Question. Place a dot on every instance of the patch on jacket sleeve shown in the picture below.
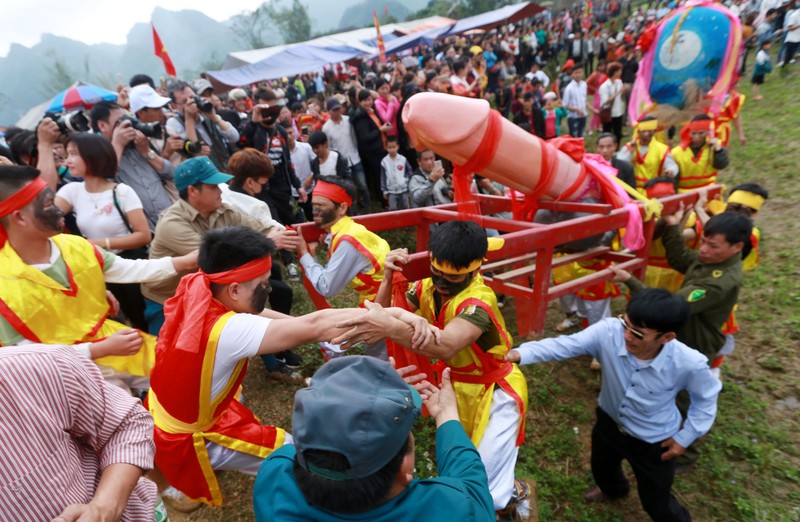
(696, 295)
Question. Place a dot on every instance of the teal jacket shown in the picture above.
(461, 492)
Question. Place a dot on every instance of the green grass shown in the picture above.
(750, 469)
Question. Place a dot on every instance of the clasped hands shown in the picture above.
(381, 323)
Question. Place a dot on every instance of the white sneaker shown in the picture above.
(779, 64)
(178, 501)
(294, 273)
(793, 60)
(565, 325)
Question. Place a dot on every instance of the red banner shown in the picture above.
(379, 40)
(162, 53)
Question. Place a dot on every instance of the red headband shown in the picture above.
(663, 188)
(333, 192)
(18, 201)
(22, 197)
(244, 273)
(699, 125)
(185, 312)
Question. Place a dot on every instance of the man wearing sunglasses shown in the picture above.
(644, 368)
(713, 277)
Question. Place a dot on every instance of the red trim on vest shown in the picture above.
(17, 323)
(99, 256)
(502, 368)
(362, 250)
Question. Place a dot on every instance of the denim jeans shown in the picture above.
(360, 179)
(576, 126)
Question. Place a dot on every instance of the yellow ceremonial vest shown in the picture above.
(650, 165)
(753, 258)
(659, 274)
(473, 371)
(43, 311)
(696, 171)
(368, 244)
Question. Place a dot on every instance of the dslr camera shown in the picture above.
(74, 121)
(203, 104)
(151, 130)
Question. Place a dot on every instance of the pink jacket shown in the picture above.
(387, 112)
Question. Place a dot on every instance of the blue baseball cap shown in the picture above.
(198, 170)
(356, 406)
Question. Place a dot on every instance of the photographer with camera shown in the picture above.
(36, 149)
(148, 106)
(264, 134)
(140, 167)
(197, 120)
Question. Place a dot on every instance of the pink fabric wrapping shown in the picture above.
(602, 171)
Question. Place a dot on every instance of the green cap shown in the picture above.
(199, 170)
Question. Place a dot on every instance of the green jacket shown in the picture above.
(711, 290)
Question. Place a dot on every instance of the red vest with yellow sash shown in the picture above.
(187, 416)
(368, 244)
(43, 311)
(730, 111)
(475, 372)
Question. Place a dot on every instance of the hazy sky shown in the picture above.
(95, 21)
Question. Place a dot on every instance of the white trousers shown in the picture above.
(498, 447)
(226, 459)
(594, 311)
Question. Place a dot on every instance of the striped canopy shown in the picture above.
(80, 95)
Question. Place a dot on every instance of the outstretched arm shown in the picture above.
(406, 329)
(285, 333)
(393, 263)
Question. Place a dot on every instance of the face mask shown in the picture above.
(450, 288)
(259, 300)
(49, 218)
(326, 217)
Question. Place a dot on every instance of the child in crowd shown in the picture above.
(395, 171)
(553, 114)
(763, 67)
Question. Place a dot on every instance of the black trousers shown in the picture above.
(654, 477)
(131, 303)
(615, 127)
(280, 300)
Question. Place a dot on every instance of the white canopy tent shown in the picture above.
(362, 39)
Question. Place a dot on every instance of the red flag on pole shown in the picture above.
(162, 53)
(379, 40)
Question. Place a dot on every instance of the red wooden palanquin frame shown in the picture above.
(522, 267)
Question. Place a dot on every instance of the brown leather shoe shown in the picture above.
(595, 495)
(287, 375)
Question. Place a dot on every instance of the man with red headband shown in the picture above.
(214, 323)
(356, 254)
(492, 393)
(53, 287)
(699, 155)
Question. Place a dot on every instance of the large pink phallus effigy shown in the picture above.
(479, 140)
(472, 135)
